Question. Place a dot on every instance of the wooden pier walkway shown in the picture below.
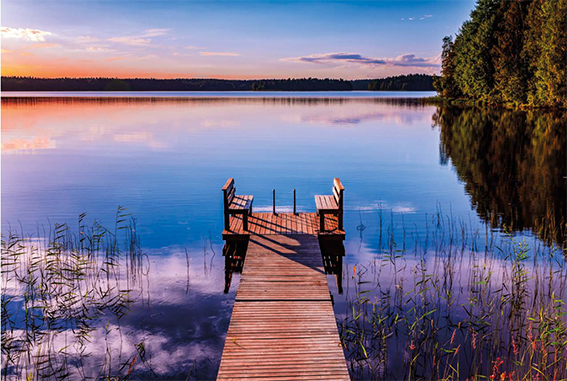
(283, 325)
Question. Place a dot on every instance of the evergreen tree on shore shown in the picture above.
(510, 51)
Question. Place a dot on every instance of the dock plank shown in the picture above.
(282, 223)
(283, 326)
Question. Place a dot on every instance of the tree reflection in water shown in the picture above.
(513, 165)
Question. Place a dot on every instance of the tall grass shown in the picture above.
(56, 286)
(456, 304)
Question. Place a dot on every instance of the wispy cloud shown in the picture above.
(139, 40)
(129, 40)
(24, 33)
(421, 18)
(116, 59)
(195, 47)
(98, 49)
(155, 32)
(338, 57)
(87, 39)
(226, 54)
(405, 60)
(42, 46)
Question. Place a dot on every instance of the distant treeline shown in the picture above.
(511, 52)
(405, 82)
(411, 82)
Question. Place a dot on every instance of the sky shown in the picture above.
(226, 39)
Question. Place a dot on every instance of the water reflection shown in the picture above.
(84, 305)
(166, 158)
(513, 165)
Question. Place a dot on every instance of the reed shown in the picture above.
(57, 285)
(456, 304)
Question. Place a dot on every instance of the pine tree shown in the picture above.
(446, 85)
(474, 70)
(509, 66)
(548, 31)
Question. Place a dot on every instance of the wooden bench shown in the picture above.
(332, 204)
(235, 204)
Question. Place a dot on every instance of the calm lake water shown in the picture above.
(165, 157)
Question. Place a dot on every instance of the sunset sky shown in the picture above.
(230, 39)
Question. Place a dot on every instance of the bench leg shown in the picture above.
(321, 222)
(245, 221)
(226, 221)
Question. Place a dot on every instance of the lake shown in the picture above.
(444, 193)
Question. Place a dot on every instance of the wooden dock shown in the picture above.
(283, 325)
(282, 223)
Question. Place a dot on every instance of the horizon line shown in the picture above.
(217, 78)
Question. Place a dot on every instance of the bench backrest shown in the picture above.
(338, 190)
(228, 192)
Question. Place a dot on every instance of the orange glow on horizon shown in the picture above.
(91, 71)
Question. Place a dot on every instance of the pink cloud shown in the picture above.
(225, 54)
(139, 40)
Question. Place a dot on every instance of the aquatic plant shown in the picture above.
(449, 309)
(57, 285)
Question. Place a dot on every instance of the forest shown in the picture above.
(411, 82)
(510, 52)
(404, 82)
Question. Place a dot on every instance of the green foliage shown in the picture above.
(510, 71)
(510, 52)
(447, 85)
(411, 82)
(550, 37)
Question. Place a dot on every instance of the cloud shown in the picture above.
(226, 54)
(399, 207)
(98, 49)
(116, 58)
(42, 46)
(24, 33)
(194, 47)
(87, 39)
(139, 40)
(404, 60)
(338, 57)
(412, 60)
(421, 18)
(155, 32)
(6, 51)
(133, 41)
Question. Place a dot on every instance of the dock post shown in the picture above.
(294, 203)
(274, 201)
